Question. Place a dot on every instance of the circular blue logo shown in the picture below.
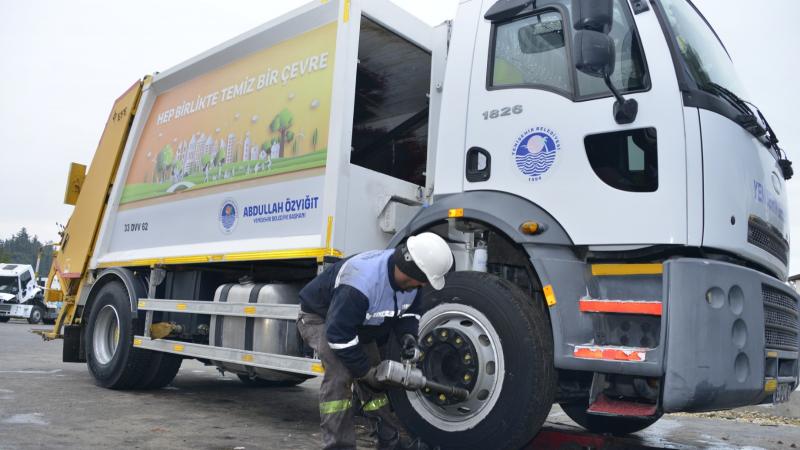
(535, 152)
(227, 216)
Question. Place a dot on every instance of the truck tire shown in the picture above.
(112, 359)
(4, 319)
(162, 370)
(37, 313)
(263, 382)
(482, 333)
(617, 426)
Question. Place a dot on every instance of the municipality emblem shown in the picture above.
(227, 216)
(535, 152)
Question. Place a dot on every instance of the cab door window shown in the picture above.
(533, 51)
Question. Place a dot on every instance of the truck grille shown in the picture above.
(780, 319)
(767, 238)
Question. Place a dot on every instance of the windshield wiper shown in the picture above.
(746, 119)
(749, 122)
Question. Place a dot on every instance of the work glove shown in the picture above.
(409, 349)
(371, 380)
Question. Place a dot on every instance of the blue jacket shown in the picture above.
(358, 297)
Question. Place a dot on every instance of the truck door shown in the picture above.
(539, 129)
(388, 154)
(26, 291)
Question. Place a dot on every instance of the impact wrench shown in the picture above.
(408, 377)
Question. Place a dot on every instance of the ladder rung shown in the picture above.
(652, 308)
(607, 406)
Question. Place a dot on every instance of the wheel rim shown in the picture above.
(486, 367)
(36, 315)
(105, 338)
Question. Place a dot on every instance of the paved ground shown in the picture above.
(45, 403)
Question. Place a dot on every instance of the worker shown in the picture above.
(349, 310)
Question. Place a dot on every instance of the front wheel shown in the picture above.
(617, 426)
(484, 334)
(37, 313)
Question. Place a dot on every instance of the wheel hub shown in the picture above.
(459, 347)
(448, 357)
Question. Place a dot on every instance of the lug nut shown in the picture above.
(467, 358)
(443, 334)
(467, 377)
(442, 397)
(459, 341)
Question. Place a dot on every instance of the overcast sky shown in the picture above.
(62, 64)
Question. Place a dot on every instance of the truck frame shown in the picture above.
(577, 156)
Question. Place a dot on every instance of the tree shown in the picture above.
(164, 161)
(21, 248)
(281, 124)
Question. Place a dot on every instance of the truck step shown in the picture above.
(610, 353)
(607, 406)
(591, 305)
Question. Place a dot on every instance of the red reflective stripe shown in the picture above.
(621, 306)
(610, 353)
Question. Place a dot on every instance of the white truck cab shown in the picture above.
(21, 297)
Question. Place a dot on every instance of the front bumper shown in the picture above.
(731, 336)
(15, 310)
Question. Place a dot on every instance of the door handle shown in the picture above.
(479, 164)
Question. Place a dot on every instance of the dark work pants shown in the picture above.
(336, 393)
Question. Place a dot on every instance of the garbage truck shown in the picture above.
(617, 211)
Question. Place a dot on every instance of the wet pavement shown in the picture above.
(47, 404)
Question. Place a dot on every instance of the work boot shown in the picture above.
(387, 437)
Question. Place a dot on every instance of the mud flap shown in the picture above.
(73, 351)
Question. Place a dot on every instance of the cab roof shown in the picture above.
(13, 270)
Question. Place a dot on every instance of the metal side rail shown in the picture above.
(294, 364)
(260, 310)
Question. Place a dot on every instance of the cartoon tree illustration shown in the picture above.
(164, 161)
(314, 139)
(205, 160)
(294, 148)
(281, 124)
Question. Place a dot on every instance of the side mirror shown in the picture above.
(595, 56)
(541, 37)
(594, 15)
(594, 53)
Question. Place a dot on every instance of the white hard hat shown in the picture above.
(432, 255)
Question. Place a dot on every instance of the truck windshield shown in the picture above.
(8, 285)
(705, 58)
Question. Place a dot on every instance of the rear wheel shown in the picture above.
(605, 424)
(484, 334)
(37, 313)
(112, 359)
(162, 370)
